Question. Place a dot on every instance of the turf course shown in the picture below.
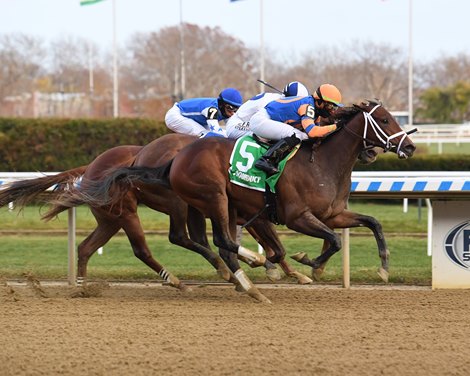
(30, 246)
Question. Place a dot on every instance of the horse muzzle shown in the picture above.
(407, 151)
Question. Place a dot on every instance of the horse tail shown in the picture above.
(112, 189)
(54, 212)
(23, 192)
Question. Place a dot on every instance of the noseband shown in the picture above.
(385, 141)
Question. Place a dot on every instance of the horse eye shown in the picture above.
(385, 121)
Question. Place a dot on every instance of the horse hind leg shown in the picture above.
(271, 270)
(98, 238)
(224, 231)
(244, 282)
(197, 240)
(136, 236)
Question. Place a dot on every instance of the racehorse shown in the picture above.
(312, 192)
(124, 214)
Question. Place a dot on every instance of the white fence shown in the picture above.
(441, 134)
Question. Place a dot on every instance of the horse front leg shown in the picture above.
(265, 234)
(308, 224)
(348, 219)
(316, 273)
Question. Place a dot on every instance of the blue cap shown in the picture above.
(231, 96)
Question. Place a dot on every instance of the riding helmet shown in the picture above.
(231, 96)
(295, 89)
(328, 93)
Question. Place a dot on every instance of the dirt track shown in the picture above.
(151, 330)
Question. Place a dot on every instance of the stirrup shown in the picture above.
(266, 166)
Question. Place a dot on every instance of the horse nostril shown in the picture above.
(410, 149)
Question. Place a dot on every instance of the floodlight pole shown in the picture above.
(182, 59)
(261, 45)
(115, 67)
(410, 65)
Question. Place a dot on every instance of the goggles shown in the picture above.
(330, 106)
(229, 107)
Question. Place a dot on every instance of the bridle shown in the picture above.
(385, 140)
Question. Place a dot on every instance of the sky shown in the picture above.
(289, 26)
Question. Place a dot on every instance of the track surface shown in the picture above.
(213, 330)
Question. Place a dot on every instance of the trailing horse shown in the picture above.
(312, 193)
(123, 214)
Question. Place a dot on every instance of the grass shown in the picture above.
(389, 213)
(45, 255)
(445, 148)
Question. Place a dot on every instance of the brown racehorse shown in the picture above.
(124, 214)
(311, 196)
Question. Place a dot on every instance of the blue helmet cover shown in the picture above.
(231, 96)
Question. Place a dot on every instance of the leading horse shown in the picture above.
(312, 193)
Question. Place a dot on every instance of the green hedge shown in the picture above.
(420, 162)
(60, 144)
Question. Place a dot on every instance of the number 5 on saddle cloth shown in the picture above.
(242, 171)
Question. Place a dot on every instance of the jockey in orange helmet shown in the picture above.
(291, 120)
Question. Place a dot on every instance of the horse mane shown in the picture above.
(342, 116)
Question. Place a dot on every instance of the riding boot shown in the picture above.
(276, 153)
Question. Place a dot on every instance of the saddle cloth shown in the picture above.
(242, 170)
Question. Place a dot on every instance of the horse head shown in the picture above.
(378, 128)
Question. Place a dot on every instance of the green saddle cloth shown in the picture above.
(242, 169)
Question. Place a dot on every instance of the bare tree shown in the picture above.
(21, 63)
(444, 71)
(213, 60)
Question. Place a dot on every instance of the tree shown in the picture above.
(361, 70)
(22, 60)
(446, 105)
(213, 60)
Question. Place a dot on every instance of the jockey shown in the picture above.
(238, 125)
(291, 120)
(199, 116)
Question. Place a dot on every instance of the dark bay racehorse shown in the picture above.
(123, 214)
(312, 193)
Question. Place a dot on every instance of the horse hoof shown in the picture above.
(239, 288)
(224, 274)
(383, 274)
(298, 256)
(273, 275)
(184, 288)
(301, 278)
(254, 293)
(316, 274)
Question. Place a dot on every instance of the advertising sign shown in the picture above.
(451, 245)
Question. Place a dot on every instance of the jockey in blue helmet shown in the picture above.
(200, 116)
